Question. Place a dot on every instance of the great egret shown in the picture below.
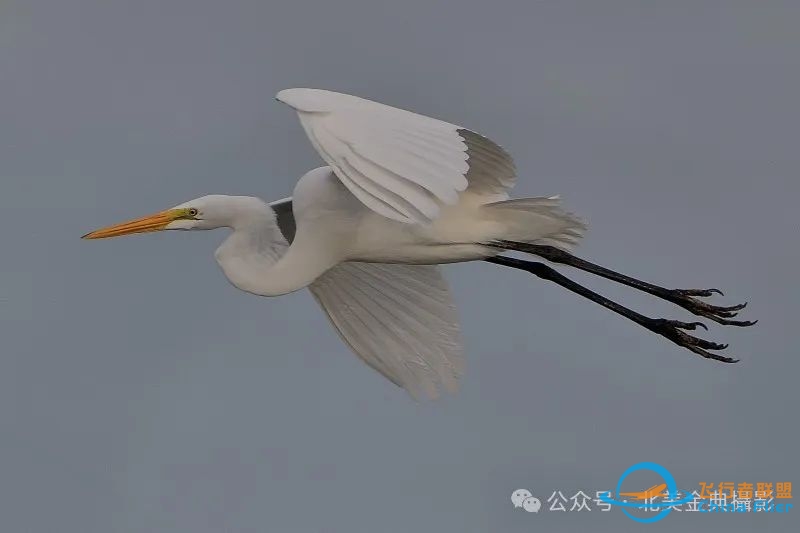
(402, 193)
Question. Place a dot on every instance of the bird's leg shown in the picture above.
(671, 329)
(686, 298)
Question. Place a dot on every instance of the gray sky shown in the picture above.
(140, 392)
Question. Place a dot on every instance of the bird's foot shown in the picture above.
(672, 329)
(688, 299)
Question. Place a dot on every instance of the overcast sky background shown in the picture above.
(139, 391)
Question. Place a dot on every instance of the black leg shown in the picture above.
(682, 297)
(670, 329)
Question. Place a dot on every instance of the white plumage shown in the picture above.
(402, 165)
(401, 194)
(400, 319)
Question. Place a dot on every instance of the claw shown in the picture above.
(708, 345)
(737, 307)
(709, 355)
(688, 325)
(723, 309)
(717, 313)
(671, 329)
(700, 292)
(739, 323)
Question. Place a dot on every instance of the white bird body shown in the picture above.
(334, 227)
(402, 193)
(326, 211)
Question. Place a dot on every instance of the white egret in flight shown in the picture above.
(401, 194)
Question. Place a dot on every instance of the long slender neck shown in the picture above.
(257, 259)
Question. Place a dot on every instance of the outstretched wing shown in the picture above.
(401, 165)
(399, 319)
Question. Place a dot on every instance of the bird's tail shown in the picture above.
(539, 220)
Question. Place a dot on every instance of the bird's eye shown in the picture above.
(193, 212)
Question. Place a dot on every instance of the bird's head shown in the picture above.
(207, 212)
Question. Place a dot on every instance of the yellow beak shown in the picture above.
(155, 222)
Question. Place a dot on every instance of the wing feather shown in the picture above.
(400, 164)
(410, 193)
(399, 319)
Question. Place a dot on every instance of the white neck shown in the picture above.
(257, 259)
